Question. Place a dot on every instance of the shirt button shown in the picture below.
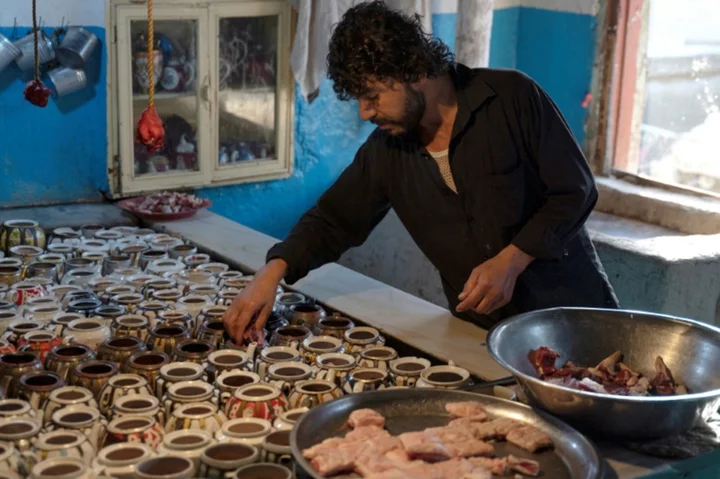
(471, 220)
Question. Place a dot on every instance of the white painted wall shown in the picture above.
(572, 6)
(52, 12)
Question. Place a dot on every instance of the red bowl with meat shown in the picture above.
(165, 206)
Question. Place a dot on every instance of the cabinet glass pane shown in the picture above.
(247, 89)
(176, 97)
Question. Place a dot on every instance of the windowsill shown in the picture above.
(676, 212)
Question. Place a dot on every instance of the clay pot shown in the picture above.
(93, 375)
(289, 418)
(274, 355)
(122, 385)
(120, 460)
(443, 377)
(226, 296)
(20, 432)
(202, 415)
(88, 421)
(405, 372)
(35, 387)
(10, 408)
(14, 465)
(148, 406)
(17, 329)
(14, 365)
(229, 381)
(210, 313)
(129, 300)
(366, 379)
(151, 309)
(163, 339)
(212, 331)
(186, 392)
(119, 348)
(167, 467)
(65, 397)
(305, 314)
(334, 367)
(209, 290)
(177, 372)
(134, 429)
(189, 443)
(109, 312)
(116, 289)
(7, 317)
(38, 342)
(245, 430)
(59, 322)
(313, 393)
(90, 332)
(64, 467)
(357, 339)
(63, 359)
(285, 375)
(147, 364)
(285, 301)
(263, 470)
(276, 449)
(193, 305)
(160, 284)
(226, 360)
(177, 318)
(220, 460)
(168, 296)
(64, 443)
(290, 336)
(131, 325)
(314, 346)
(84, 306)
(377, 357)
(257, 400)
(194, 351)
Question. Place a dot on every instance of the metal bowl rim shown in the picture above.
(494, 331)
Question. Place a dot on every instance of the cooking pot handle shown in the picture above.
(510, 380)
(57, 33)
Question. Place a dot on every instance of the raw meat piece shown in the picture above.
(523, 465)
(424, 445)
(452, 433)
(334, 461)
(466, 409)
(499, 466)
(392, 474)
(399, 457)
(609, 364)
(373, 463)
(463, 422)
(529, 438)
(331, 443)
(365, 417)
(423, 470)
(382, 445)
(37, 93)
(366, 432)
(663, 384)
(470, 448)
(150, 131)
(454, 468)
(641, 388)
(543, 358)
(495, 429)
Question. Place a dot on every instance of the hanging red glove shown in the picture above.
(37, 93)
(150, 131)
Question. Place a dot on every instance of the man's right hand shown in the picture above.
(255, 300)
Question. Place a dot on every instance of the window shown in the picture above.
(223, 88)
(666, 92)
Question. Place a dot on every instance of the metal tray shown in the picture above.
(573, 457)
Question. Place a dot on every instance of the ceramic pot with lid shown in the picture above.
(176, 372)
(226, 296)
(120, 460)
(221, 460)
(119, 386)
(314, 346)
(193, 350)
(359, 338)
(335, 326)
(228, 381)
(227, 360)
(35, 387)
(86, 420)
(64, 443)
(201, 415)
(147, 364)
(260, 400)
(189, 443)
(245, 430)
(186, 392)
(119, 348)
(67, 396)
(289, 418)
(164, 338)
(21, 432)
(10, 408)
(64, 358)
(148, 406)
(166, 467)
(93, 375)
(406, 371)
(134, 429)
(39, 343)
(12, 367)
(90, 332)
(334, 367)
(313, 393)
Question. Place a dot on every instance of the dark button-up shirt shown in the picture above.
(521, 178)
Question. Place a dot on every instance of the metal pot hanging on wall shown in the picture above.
(46, 51)
(8, 52)
(76, 47)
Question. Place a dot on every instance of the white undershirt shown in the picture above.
(442, 158)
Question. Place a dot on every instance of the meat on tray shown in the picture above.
(610, 376)
(455, 451)
(167, 202)
(365, 417)
(467, 409)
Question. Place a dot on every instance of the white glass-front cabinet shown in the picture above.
(223, 89)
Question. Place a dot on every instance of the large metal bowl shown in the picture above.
(585, 336)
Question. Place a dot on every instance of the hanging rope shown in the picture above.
(35, 92)
(151, 53)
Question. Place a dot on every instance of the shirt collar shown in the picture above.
(472, 93)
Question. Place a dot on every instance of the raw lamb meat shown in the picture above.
(424, 445)
(334, 461)
(495, 429)
(467, 409)
(502, 466)
(461, 442)
(463, 422)
(365, 417)
(373, 463)
(529, 438)
(327, 444)
(366, 432)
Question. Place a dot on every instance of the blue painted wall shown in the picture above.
(58, 154)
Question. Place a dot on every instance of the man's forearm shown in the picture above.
(516, 258)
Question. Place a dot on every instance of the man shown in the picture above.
(479, 165)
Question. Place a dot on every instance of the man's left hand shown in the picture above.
(492, 283)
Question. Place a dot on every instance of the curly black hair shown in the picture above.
(375, 41)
